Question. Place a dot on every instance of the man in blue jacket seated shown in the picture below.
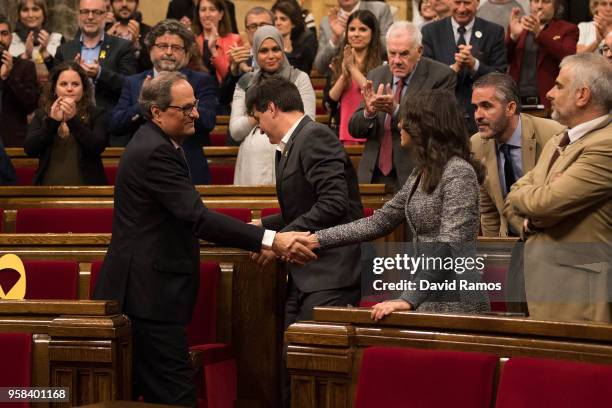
(169, 43)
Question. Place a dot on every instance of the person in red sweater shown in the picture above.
(536, 45)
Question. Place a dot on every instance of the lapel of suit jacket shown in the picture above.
(528, 144)
(286, 152)
(417, 80)
(105, 49)
(572, 151)
(476, 40)
(490, 157)
(448, 41)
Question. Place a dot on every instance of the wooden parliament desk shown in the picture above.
(255, 198)
(324, 356)
(84, 345)
(249, 310)
(215, 155)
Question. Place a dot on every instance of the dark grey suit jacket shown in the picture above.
(488, 47)
(317, 188)
(116, 60)
(429, 74)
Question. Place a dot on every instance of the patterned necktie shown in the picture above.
(461, 40)
(562, 143)
(385, 156)
(509, 175)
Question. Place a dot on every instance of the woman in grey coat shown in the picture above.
(439, 203)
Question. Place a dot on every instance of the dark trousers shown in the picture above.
(162, 373)
(299, 306)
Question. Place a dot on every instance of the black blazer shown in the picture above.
(152, 264)
(117, 61)
(19, 95)
(428, 74)
(91, 138)
(317, 188)
(488, 47)
(304, 51)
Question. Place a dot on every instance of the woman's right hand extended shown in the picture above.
(383, 309)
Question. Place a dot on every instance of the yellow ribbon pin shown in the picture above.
(12, 261)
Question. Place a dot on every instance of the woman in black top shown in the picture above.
(68, 134)
(300, 45)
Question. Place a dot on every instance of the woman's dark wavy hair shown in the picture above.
(437, 130)
(373, 58)
(85, 104)
(294, 12)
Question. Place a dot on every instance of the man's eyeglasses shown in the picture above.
(254, 26)
(173, 47)
(96, 13)
(604, 50)
(187, 109)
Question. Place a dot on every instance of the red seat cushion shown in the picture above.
(242, 214)
(203, 326)
(266, 212)
(217, 138)
(533, 382)
(111, 174)
(64, 220)
(221, 175)
(405, 377)
(16, 357)
(25, 175)
(368, 212)
(51, 279)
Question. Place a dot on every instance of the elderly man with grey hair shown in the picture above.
(406, 74)
(170, 45)
(563, 206)
(152, 264)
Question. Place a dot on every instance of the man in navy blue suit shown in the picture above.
(471, 46)
(169, 43)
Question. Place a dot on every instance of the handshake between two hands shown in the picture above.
(293, 247)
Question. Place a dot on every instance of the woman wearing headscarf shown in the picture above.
(255, 162)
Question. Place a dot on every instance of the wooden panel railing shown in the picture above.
(84, 345)
(324, 356)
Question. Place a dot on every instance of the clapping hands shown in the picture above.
(379, 101)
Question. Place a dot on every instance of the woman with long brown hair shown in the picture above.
(68, 134)
(360, 53)
(439, 203)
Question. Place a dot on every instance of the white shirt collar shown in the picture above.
(281, 145)
(468, 26)
(582, 129)
(176, 145)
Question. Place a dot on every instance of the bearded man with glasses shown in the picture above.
(105, 59)
(169, 44)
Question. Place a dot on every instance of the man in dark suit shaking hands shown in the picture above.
(151, 267)
(317, 188)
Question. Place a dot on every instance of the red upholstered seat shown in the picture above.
(265, 212)
(217, 138)
(51, 279)
(217, 385)
(25, 175)
(243, 214)
(367, 212)
(221, 174)
(405, 377)
(111, 174)
(16, 357)
(534, 382)
(64, 220)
